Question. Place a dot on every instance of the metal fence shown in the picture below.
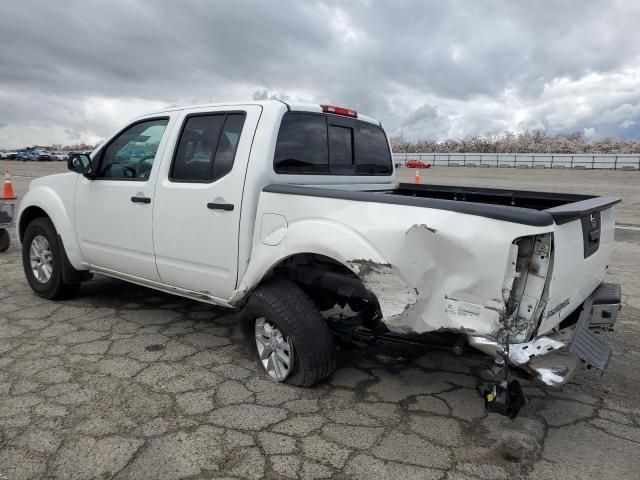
(524, 160)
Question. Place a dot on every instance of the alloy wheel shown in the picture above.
(275, 350)
(41, 259)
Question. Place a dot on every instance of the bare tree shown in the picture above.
(538, 141)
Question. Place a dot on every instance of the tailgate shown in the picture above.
(583, 242)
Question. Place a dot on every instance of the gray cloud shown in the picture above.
(77, 69)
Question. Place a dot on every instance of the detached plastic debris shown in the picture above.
(504, 398)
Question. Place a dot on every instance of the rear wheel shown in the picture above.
(290, 334)
(42, 261)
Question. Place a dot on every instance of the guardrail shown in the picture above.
(525, 160)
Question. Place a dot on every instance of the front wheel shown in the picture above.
(290, 334)
(42, 261)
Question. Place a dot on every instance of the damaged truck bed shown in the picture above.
(510, 270)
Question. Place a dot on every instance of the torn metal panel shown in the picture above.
(439, 282)
(528, 295)
(511, 272)
(393, 294)
(555, 369)
(546, 358)
(521, 353)
(554, 358)
(426, 227)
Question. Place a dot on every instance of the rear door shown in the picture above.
(198, 198)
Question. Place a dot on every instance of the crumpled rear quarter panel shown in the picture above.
(430, 269)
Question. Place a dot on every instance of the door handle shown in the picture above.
(140, 199)
(220, 206)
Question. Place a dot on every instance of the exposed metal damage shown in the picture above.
(521, 353)
(527, 298)
(503, 326)
(394, 296)
(426, 227)
(525, 293)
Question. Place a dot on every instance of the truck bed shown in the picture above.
(563, 207)
(516, 206)
(491, 196)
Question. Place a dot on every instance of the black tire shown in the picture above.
(5, 240)
(284, 304)
(55, 288)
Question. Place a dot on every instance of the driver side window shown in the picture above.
(131, 154)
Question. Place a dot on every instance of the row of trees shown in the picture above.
(77, 147)
(537, 141)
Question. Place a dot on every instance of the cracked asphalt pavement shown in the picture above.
(125, 382)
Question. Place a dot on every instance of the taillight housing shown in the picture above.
(345, 112)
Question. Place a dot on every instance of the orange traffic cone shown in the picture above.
(7, 191)
(417, 177)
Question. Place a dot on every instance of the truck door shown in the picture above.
(196, 217)
(114, 209)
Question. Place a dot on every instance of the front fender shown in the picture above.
(59, 208)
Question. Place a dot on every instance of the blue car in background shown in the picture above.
(27, 156)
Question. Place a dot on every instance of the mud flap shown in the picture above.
(69, 274)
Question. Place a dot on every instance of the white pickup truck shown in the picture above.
(291, 214)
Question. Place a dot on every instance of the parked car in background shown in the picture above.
(26, 155)
(43, 155)
(60, 156)
(417, 164)
(7, 154)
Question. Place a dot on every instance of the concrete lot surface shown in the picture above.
(124, 382)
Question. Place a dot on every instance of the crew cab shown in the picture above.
(291, 214)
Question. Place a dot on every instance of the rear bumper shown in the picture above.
(556, 357)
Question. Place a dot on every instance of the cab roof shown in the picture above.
(291, 106)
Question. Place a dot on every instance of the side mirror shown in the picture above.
(79, 163)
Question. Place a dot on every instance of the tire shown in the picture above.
(53, 288)
(283, 304)
(5, 240)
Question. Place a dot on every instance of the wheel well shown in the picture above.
(329, 283)
(28, 216)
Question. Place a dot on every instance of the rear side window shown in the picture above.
(207, 147)
(372, 151)
(311, 143)
(302, 144)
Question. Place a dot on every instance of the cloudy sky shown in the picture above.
(76, 70)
